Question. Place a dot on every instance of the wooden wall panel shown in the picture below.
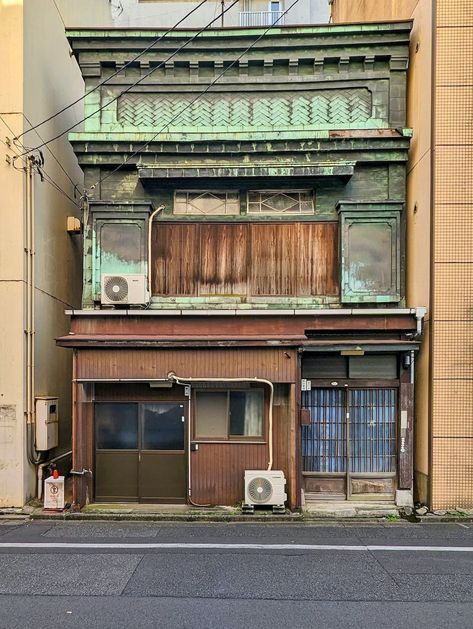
(175, 259)
(223, 264)
(198, 259)
(218, 470)
(276, 365)
(317, 263)
(274, 259)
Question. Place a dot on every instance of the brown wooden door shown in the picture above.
(140, 452)
(162, 468)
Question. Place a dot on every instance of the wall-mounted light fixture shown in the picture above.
(356, 351)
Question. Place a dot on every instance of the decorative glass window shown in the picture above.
(290, 202)
(206, 203)
(229, 414)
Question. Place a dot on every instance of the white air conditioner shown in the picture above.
(124, 289)
(265, 488)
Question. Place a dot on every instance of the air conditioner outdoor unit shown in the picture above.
(264, 488)
(124, 289)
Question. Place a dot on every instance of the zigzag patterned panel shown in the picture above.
(174, 111)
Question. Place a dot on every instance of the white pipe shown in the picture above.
(150, 226)
(41, 467)
(180, 380)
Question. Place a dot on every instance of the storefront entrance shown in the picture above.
(349, 446)
(140, 451)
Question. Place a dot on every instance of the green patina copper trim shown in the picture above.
(233, 170)
(332, 29)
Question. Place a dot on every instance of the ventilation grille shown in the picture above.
(116, 288)
(260, 490)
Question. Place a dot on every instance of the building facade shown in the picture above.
(244, 266)
(439, 235)
(166, 13)
(39, 260)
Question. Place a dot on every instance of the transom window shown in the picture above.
(280, 202)
(229, 414)
(206, 203)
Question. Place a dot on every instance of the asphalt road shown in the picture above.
(135, 575)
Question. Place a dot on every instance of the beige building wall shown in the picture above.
(452, 342)
(372, 10)
(38, 78)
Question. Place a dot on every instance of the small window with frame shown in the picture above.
(282, 202)
(226, 415)
(206, 203)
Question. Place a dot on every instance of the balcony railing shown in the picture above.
(261, 18)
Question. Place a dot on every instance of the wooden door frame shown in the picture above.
(347, 386)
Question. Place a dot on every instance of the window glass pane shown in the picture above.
(370, 257)
(324, 366)
(120, 248)
(211, 414)
(206, 203)
(246, 413)
(381, 367)
(116, 426)
(280, 202)
(163, 427)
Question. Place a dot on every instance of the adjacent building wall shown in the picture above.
(452, 342)
(441, 152)
(39, 77)
(419, 202)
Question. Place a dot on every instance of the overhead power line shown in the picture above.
(112, 76)
(168, 124)
(45, 176)
(140, 80)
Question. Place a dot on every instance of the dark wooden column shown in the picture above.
(406, 427)
(82, 439)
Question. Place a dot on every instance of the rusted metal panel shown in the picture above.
(218, 470)
(276, 365)
(245, 325)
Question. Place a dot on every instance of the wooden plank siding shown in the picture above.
(199, 259)
(276, 365)
(218, 470)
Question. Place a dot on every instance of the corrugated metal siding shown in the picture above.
(275, 365)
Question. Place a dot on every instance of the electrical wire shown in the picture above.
(112, 76)
(45, 176)
(109, 78)
(23, 147)
(148, 142)
(140, 80)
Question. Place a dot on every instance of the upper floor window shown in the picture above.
(280, 202)
(206, 203)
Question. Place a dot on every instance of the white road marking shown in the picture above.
(194, 546)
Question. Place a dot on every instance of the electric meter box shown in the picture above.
(54, 493)
(47, 422)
